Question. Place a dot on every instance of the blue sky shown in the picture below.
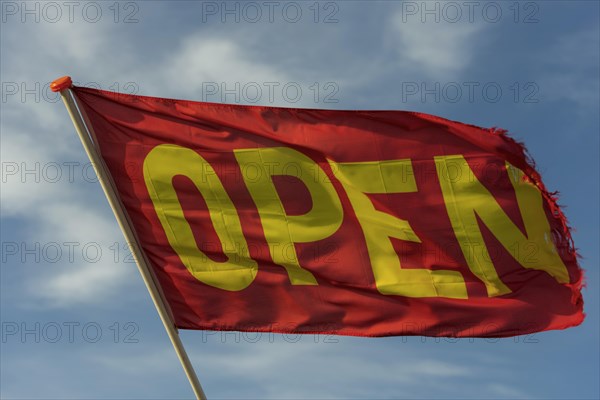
(77, 321)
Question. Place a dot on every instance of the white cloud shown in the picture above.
(98, 265)
(38, 137)
(571, 69)
(435, 48)
(306, 369)
(506, 391)
(230, 367)
(199, 59)
(46, 187)
(207, 68)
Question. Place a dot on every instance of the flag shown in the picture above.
(363, 223)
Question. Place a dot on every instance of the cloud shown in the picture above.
(435, 48)
(506, 392)
(98, 266)
(220, 69)
(71, 237)
(51, 202)
(237, 365)
(199, 59)
(571, 69)
(311, 368)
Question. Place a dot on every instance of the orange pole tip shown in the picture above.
(64, 82)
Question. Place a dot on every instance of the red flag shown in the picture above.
(365, 223)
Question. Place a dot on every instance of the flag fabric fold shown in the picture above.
(364, 223)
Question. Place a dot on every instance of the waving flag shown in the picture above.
(366, 223)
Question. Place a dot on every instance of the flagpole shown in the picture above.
(85, 131)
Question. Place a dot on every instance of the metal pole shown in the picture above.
(85, 133)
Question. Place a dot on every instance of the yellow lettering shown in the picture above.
(360, 178)
(466, 197)
(161, 165)
(282, 230)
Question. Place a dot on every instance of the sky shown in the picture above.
(77, 321)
